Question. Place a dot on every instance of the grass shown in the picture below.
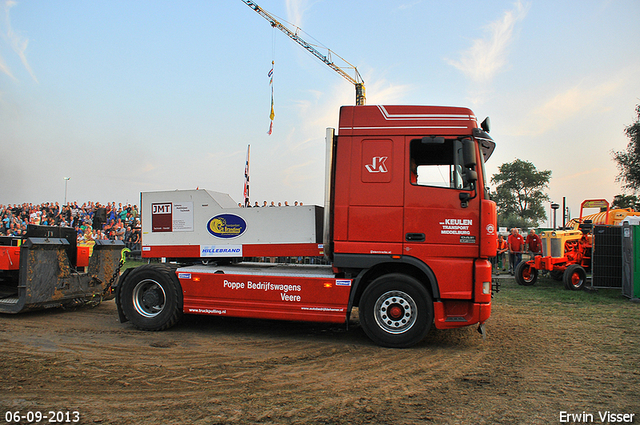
(129, 264)
(549, 290)
(604, 317)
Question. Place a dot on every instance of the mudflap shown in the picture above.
(47, 278)
(482, 330)
(117, 290)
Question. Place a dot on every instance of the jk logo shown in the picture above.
(378, 165)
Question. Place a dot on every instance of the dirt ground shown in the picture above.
(538, 359)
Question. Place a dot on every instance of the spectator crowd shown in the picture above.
(92, 221)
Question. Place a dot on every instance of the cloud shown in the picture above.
(385, 93)
(17, 42)
(569, 104)
(597, 172)
(488, 55)
(297, 175)
(5, 69)
(295, 11)
(406, 6)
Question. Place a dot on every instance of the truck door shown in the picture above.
(371, 223)
(441, 214)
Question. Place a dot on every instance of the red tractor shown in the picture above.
(566, 254)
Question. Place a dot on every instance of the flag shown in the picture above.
(246, 179)
(272, 114)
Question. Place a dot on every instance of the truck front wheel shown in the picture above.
(396, 311)
(151, 297)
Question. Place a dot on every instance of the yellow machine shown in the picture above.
(608, 217)
(555, 242)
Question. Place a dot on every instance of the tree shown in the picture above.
(624, 201)
(520, 193)
(628, 160)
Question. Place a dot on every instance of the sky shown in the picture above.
(123, 97)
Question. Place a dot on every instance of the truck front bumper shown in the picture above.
(451, 314)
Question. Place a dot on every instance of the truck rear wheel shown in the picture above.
(526, 274)
(151, 297)
(574, 277)
(396, 311)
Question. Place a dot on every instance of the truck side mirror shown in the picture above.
(486, 125)
(471, 176)
(464, 199)
(469, 154)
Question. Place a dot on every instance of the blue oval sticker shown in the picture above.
(227, 226)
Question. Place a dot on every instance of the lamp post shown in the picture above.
(554, 207)
(66, 180)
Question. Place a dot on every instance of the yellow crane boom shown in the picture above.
(356, 81)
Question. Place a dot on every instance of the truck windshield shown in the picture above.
(438, 163)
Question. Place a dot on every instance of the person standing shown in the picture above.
(99, 217)
(516, 245)
(502, 249)
(534, 244)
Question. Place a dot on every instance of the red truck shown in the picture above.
(407, 225)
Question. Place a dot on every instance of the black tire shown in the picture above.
(151, 297)
(526, 274)
(396, 311)
(574, 277)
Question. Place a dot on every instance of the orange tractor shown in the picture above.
(566, 254)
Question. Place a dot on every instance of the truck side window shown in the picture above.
(437, 164)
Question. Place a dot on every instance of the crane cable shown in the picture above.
(270, 74)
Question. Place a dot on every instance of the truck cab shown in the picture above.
(416, 204)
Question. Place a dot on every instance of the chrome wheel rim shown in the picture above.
(149, 298)
(395, 312)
